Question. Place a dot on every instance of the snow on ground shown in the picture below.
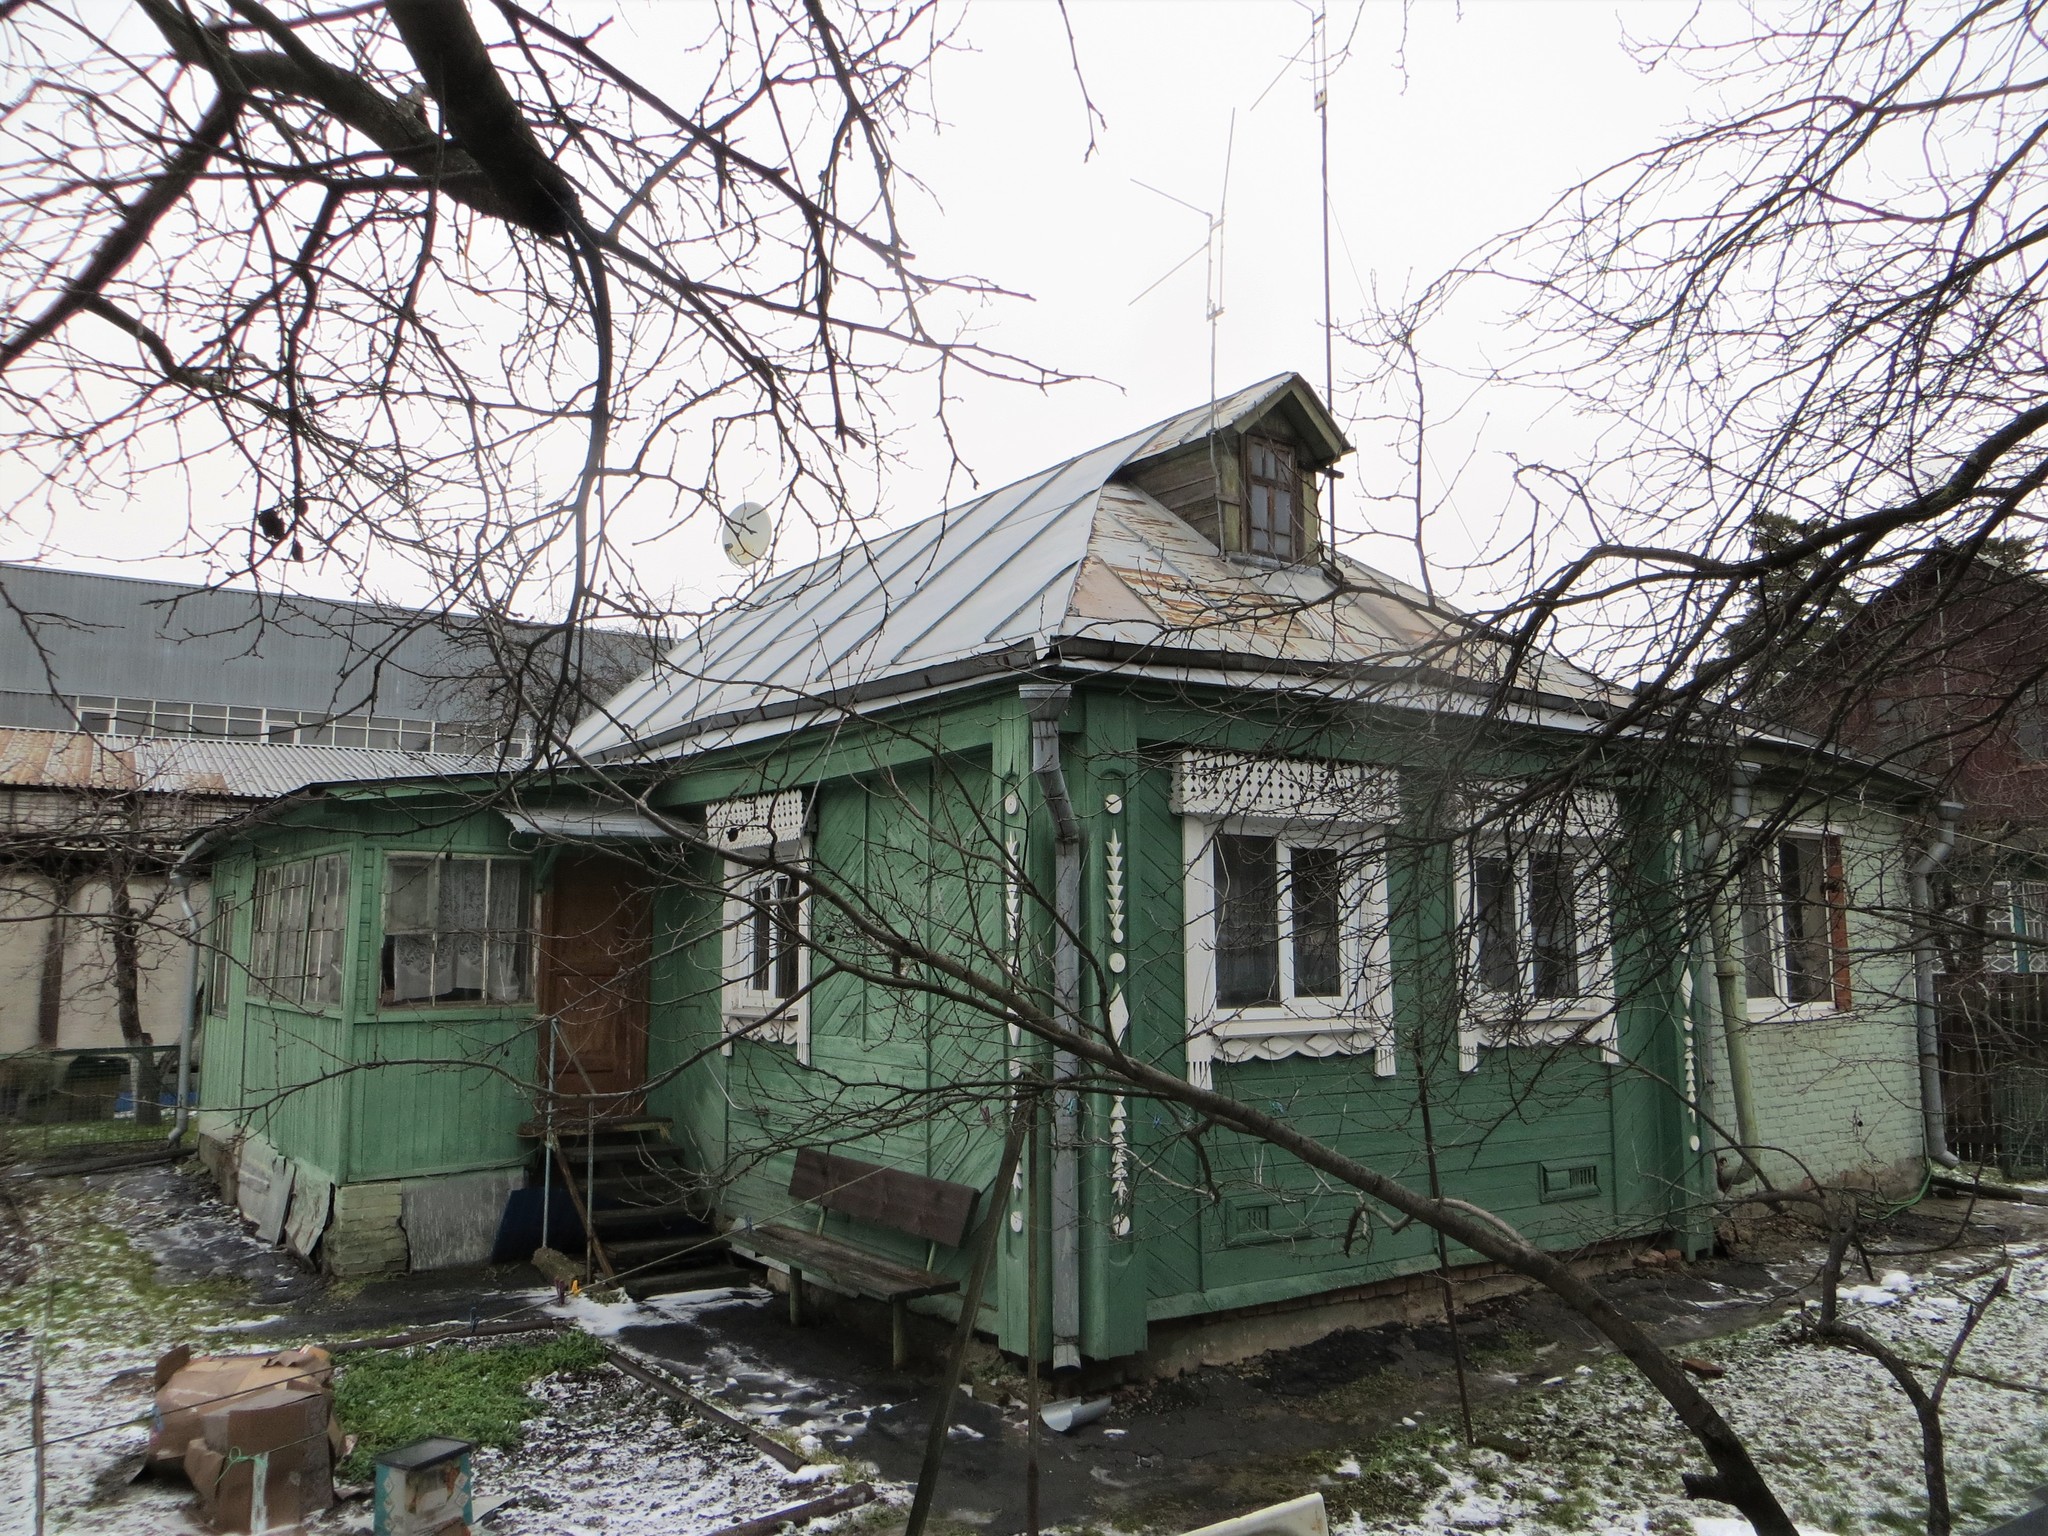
(1601, 1453)
(605, 1455)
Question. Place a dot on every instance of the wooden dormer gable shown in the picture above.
(1250, 484)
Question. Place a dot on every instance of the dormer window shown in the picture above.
(1273, 505)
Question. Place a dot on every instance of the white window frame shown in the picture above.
(1492, 1019)
(1781, 1008)
(1357, 1021)
(770, 827)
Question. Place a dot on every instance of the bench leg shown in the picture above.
(896, 1349)
(796, 1297)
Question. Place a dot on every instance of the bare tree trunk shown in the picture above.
(50, 984)
(125, 932)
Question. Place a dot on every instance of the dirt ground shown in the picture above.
(1355, 1414)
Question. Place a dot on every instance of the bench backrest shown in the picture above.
(934, 1209)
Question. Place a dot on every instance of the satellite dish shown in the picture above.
(745, 532)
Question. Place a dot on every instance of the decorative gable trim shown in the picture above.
(755, 822)
(1290, 789)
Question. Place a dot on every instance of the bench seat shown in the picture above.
(843, 1267)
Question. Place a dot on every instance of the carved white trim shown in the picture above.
(1581, 813)
(754, 822)
(1294, 789)
(1572, 1024)
(1115, 869)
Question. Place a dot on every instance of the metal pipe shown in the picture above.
(1048, 704)
(181, 881)
(1933, 1113)
(1731, 998)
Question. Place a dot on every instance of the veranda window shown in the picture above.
(300, 925)
(456, 930)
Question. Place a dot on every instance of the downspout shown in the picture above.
(1933, 1114)
(1048, 703)
(1731, 998)
(181, 880)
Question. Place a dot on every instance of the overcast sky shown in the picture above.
(1448, 123)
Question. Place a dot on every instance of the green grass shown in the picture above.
(89, 1281)
(389, 1398)
(23, 1140)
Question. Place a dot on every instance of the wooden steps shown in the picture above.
(631, 1188)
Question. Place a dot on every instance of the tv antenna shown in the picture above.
(1211, 252)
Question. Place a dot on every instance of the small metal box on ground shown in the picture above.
(423, 1489)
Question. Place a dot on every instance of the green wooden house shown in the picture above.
(1124, 737)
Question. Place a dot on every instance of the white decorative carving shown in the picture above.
(1013, 893)
(1338, 1042)
(1119, 1016)
(1556, 1029)
(755, 821)
(1294, 789)
(1115, 868)
(1119, 1168)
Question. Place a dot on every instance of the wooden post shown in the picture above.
(796, 1297)
(896, 1349)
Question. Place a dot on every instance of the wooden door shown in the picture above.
(596, 946)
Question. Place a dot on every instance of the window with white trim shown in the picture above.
(765, 944)
(1286, 943)
(457, 929)
(297, 937)
(1538, 931)
(1794, 925)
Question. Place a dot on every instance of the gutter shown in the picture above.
(1048, 703)
(1731, 999)
(1933, 1113)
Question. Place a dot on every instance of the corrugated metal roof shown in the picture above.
(1064, 556)
(225, 770)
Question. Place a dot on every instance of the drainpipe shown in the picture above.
(1933, 1114)
(1731, 998)
(181, 880)
(1048, 703)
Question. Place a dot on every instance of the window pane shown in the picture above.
(1809, 963)
(1247, 921)
(787, 934)
(408, 967)
(1315, 886)
(1554, 924)
(1493, 913)
(1759, 933)
(759, 939)
(509, 909)
(328, 929)
(408, 895)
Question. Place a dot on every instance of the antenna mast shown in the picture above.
(1320, 48)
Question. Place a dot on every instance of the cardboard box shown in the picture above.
(264, 1461)
(189, 1386)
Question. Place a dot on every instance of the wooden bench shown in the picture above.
(933, 1209)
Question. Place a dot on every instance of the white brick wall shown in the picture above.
(1838, 1094)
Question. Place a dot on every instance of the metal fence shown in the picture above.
(1994, 1064)
(87, 1097)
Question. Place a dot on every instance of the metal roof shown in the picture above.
(221, 770)
(1066, 562)
(87, 633)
